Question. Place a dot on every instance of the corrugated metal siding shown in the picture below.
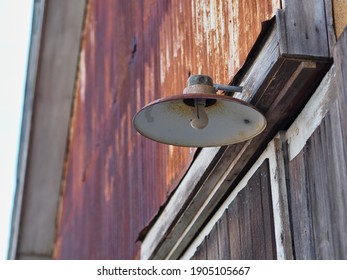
(134, 52)
(246, 229)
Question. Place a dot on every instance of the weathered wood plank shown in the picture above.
(317, 170)
(336, 169)
(256, 216)
(340, 149)
(306, 28)
(223, 238)
(201, 251)
(282, 31)
(243, 204)
(268, 216)
(340, 58)
(256, 232)
(234, 230)
(336, 187)
(300, 209)
(279, 197)
(265, 63)
(212, 244)
(330, 24)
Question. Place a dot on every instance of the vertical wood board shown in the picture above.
(318, 173)
(305, 28)
(248, 222)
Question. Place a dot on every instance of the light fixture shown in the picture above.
(200, 117)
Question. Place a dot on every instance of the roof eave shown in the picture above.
(53, 63)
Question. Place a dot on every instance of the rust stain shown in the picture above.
(108, 188)
(340, 16)
(134, 52)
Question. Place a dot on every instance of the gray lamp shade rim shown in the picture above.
(181, 134)
(209, 96)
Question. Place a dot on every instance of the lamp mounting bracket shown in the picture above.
(204, 84)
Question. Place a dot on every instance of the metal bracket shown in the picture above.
(227, 88)
(204, 84)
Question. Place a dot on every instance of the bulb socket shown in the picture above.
(198, 84)
(191, 101)
(199, 80)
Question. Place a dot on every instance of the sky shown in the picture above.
(15, 27)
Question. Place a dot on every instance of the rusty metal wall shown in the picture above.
(133, 52)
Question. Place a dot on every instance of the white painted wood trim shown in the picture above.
(311, 116)
(279, 198)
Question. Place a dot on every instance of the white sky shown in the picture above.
(15, 27)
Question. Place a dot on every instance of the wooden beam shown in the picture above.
(278, 174)
(311, 117)
(305, 28)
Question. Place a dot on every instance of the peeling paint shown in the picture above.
(83, 76)
(108, 188)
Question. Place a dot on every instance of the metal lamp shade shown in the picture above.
(230, 121)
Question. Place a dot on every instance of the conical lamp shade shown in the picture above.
(230, 121)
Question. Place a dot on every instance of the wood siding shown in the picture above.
(319, 194)
(306, 28)
(246, 230)
(318, 178)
